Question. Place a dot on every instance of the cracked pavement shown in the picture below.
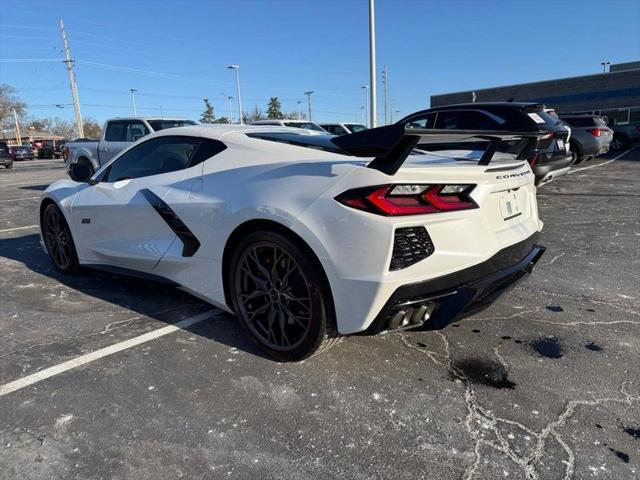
(544, 384)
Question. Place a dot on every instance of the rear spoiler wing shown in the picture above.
(392, 144)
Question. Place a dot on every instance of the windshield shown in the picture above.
(164, 124)
(355, 127)
(307, 125)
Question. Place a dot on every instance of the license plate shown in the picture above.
(560, 144)
(509, 206)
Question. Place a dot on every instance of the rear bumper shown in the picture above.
(459, 294)
(557, 166)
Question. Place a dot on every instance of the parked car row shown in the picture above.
(566, 141)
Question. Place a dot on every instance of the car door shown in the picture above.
(122, 219)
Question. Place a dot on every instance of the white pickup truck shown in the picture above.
(117, 134)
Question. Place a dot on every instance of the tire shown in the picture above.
(86, 161)
(576, 154)
(8, 166)
(58, 240)
(285, 308)
(619, 142)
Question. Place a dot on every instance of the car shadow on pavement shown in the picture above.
(145, 297)
(35, 187)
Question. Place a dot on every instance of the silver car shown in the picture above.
(590, 136)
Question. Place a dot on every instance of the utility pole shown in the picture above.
(72, 81)
(385, 81)
(133, 99)
(308, 94)
(18, 135)
(372, 64)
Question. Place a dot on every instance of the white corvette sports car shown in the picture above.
(305, 237)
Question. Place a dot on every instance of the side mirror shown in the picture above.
(80, 172)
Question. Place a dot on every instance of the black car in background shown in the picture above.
(21, 152)
(6, 159)
(548, 156)
(51, 149)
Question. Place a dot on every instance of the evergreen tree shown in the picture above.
(273, 109)
(208, 115)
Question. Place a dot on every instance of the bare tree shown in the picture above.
(9, 100)
(92, 128)
(253, 115)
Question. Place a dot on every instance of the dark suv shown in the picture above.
(549, 156)
(5, 157)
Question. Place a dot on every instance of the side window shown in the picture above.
(426, 121)
(162, 155)
(482, 121)
(456, 120)
(135, 131)
(116, 132)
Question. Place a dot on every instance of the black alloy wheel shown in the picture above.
(58, 240)
(280, 297)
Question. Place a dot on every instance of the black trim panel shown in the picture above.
(467, 291)
(131, 273)
(190, 244)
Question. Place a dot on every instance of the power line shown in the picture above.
(30, 60)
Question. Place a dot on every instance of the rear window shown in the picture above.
(582, 121)
(164, 124)
(355, 127)
(307, 125)
(541, 117)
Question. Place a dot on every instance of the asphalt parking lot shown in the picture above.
(545, 384)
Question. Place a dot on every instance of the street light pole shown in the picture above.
(237, 69)
(372, 64)
(133, 100)
(366, 106)
(228, 98)
(308, 94)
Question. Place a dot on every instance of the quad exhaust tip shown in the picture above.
(411, 317)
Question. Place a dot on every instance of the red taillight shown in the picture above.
(396, 200)
(594, 131)
(65, 153)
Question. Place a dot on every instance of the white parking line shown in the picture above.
(103, 352)
(600, 164)
(18, 228)
(16, 199)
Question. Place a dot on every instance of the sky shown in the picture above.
(176, 52)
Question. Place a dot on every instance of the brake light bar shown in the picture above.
(398, 200)
(594, 131)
